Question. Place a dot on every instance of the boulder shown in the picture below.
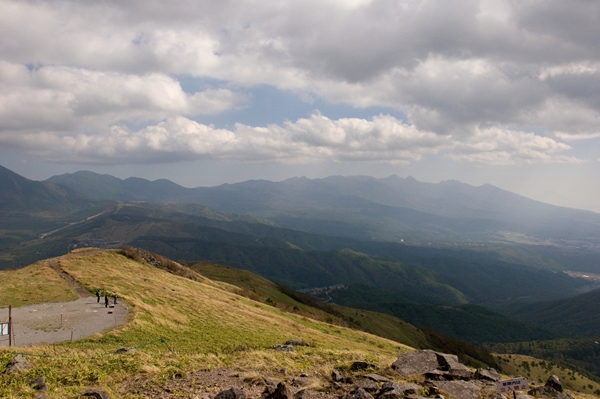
(454, 370)
(232, 393)
(281, 392)
(546, 392)
(457, 389)
(376, 377)
(489, 374)
(39, 384)
(392, 390)
(368, 385)
(554, 382)
(361, 394)
(306, 394)
(416, 362)
(96, 394)
(17, 364)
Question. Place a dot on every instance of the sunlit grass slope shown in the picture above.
(264, 290)
(33, 284)
(203, 325)
(537, 370)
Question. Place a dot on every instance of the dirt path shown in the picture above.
(46, 323)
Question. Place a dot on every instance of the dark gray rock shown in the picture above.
(17, 364)
(454, 370)
(306, 394)
(457, 389)
(231, 393)
(295, 342)
(489, 374)
(554, 382)
(358, 366)
(337, 376)
(368, 385)
(546, 392)
(376, 377)
(96, 394)
(125, 349)
(361, 394)
(39, 384)
(415, 362)
(392, 390)
(281, 392)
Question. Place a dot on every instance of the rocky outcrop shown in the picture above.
(17, 365)
(96, 394)
(232, 393)
(432, 365)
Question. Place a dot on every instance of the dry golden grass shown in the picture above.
(204, 326)
(33, 284)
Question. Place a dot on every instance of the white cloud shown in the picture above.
(461, 71)
(315, 139)
(59, 98)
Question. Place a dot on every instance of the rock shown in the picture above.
(454, 370)
(458, 389)
(416, 362)
(96, 394)
(283, 348)
(554, 382)
(17, 364)
(357, 366)
(361, 394)
(522, 396)
(232, 393)
(296, 342)
(281, 392)
(39, 384)
(368, 385)
(376, 377)
(125, 349)
(306, 394)
(489, 374)
(336, 375)
(392, 390)
(548, 393)
(498, 395)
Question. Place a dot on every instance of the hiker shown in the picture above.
(115, 299)
(98, 295)
(106, 300)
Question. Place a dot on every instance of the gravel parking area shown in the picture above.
(47, 323)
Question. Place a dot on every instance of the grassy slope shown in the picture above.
(537, 370)
(264, 290)
(33, 284)
(205, 325)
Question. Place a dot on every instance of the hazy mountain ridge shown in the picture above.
(388, 209)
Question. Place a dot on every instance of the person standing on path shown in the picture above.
(98, 295)
(115, 299)
(106, 300)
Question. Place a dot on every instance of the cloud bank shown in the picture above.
(493, 82)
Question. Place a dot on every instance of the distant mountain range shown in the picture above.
(365, 208)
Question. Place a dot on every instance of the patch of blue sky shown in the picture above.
(269, 105)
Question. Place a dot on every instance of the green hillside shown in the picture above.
(203, 324)
(576, 317)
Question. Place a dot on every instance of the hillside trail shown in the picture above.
(50, 322)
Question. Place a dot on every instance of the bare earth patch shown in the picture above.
(47, 323)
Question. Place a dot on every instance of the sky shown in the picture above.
(210, 92)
